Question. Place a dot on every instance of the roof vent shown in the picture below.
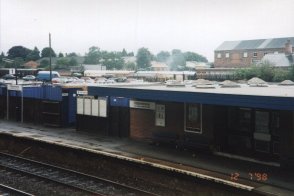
(287, 83)
(202, 83)
(174, 83)
(229, 84)
(257, 82)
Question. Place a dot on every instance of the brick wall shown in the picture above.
(236, 58)
(142, 122)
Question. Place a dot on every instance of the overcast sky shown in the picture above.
(190, 25)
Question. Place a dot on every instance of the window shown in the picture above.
(219, 55)
(160, 115)
(193, 118)
(239, 119)
(255, 54)
(245, 54)
(227, 55)
(262, 122)
(265, 53)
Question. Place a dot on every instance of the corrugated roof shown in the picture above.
(228, 45)
(255, 44)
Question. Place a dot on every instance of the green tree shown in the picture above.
(192, 56)
(163, 56)
(131, 54)
(62, 62)
(178, 61)
(72, 54)
(60, 55)
(46, 52)
(44, 63)
(18, 51)
(143, 58)
(33, 55)
(112, 60)
(73, 62)
(93, 56)
(124, 53)
(130, 66)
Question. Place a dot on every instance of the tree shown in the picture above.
(143, 58)
(44, 63)
(62, 62)
(46, 52)
(178, 60)
(130, 66)
(2, 56)
(73, 62)
(163, 56)
(18, 51)
(60, 55)
(112, 60)
(131, 54)
(71, 54)
(192, 56)
(33, 55)
(93, 56)
(124, 53)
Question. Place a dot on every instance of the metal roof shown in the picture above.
(271, 97)
(255, 44)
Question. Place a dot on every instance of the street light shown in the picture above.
(15, 67)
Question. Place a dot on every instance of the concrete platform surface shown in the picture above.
(237, 173)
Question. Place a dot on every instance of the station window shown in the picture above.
(275, 123)
(193, 118)
(255, 54)
(262, 122)
(240, 119)
(245, 54)
(219, 55)
(227, 55)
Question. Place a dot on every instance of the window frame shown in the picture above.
(245, 56)
(200, 130)
(219, 55)
(255, 54)
(227, 55)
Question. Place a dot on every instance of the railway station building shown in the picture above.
(254, 122)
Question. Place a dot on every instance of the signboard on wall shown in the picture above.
(142, 105)
(87, 105)
(80, 105)
(13, 87)
(160, 115)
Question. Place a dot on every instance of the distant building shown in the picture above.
(247, 52)
(159, 66)
(31, 65)
(197, 65)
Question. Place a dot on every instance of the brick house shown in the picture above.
(247, 52)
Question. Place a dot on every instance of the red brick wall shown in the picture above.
(236, 58)
(142, 122)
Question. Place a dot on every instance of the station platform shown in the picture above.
(225, 170)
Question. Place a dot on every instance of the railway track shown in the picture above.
(84, 183)
(7, 190)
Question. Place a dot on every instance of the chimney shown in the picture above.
(288, 47)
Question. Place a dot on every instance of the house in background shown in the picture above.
(247, 52)
(31, 65)
(159, 66)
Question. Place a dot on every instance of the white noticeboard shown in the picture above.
(95, 107)
(102, 107)
(160, 115)
(87, 106)
(80, 105)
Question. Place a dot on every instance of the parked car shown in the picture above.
(8, 77)
(29, 78)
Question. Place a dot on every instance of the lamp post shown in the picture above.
(15, 66)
